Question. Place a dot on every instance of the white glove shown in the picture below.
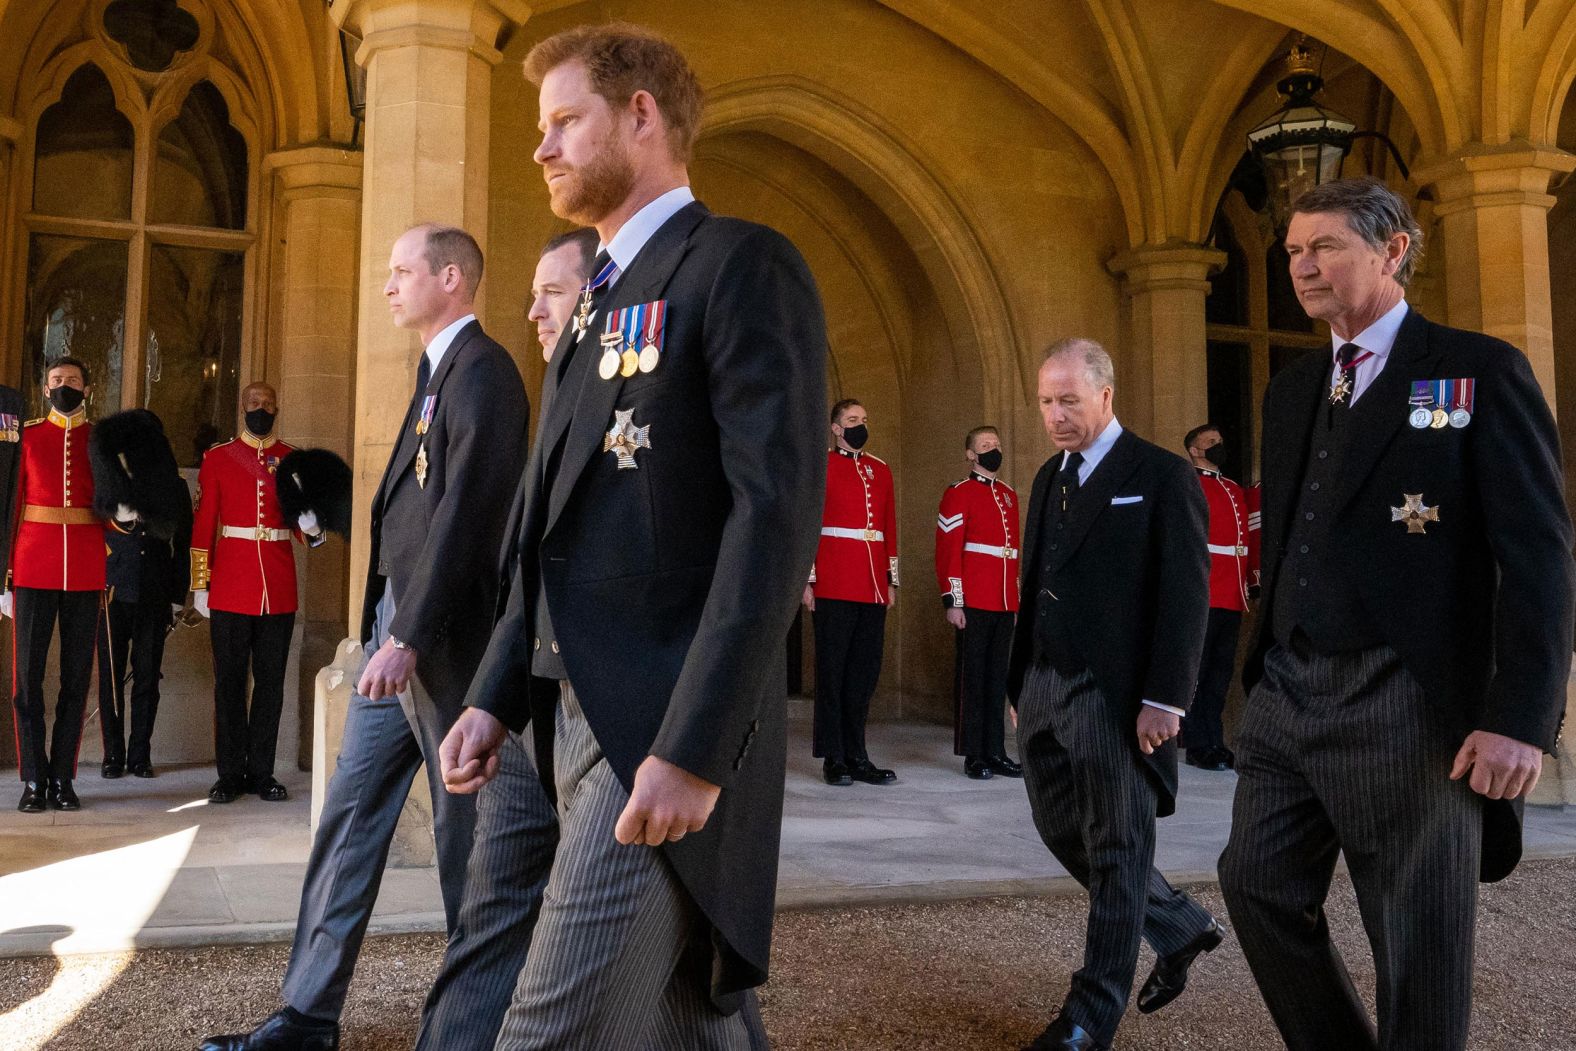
(124, 514)
(200, 601)
(308, 523)
(7, 604)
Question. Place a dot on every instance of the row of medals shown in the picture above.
(627, 363)
(1422, 418)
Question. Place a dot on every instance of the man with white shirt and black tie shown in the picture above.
(437, 525)
(1115, 596)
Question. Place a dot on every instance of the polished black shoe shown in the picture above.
(112, 769)
(871, 774)
(1227, 756)
(1000, 764)
(976, 769)
(1166, 982)
(32, 801)
(140, 769)
(834, 772)
(223, 791)
(271, 791)
(61, 795)
(1062, 1035)
(1205, 758)
(280, 1032)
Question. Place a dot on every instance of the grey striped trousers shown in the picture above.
(1337, 754)
(619, 959)
(1095, 810)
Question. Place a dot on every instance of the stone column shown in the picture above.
(1493, 203)
(429, 89)
(317, 191)
(1166, 391)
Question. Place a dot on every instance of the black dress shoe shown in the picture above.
(1204, 758)
(1062, 1035)
(871, 774)
(1227, 756)
(112, 769)
(271, 791)
(1000, 764)
(140, 769)
(223, 791)
(32, 801)
(976, 769)
(280, 1032)
(834, 772)
(62, 796)
(1166, 982)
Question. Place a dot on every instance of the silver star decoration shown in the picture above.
(1415, 514)
(624, 438)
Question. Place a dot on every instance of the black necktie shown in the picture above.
(423, 374)
(586, 309)
(1344, 383)
(1067, 480)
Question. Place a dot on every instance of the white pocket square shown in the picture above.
(1115, 500)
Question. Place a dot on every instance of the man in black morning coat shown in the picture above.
(1413, 645)
(1115, 597)
(675, 503)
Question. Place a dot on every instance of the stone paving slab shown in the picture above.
(150, 863)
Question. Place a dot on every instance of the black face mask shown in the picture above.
(65, 399)
(260, 422)
(1216, 454)
(990, 460)
(856, 437)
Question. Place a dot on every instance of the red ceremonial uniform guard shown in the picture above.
(1233, 574)
(849, 591)
(241, 554)
(56, 573)
(977, 569)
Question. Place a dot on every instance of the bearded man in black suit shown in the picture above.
(672, 512)
(1414, 641)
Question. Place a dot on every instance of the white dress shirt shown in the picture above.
(441, 342)
(634, 234)
(1377, 339)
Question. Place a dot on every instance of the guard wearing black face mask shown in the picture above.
(243, 578)
(1233, 580)
(55, 577)
(977, 570)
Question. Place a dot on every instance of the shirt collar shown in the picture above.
(68, 421)
(441, 342)
(1377, 338)
(255, 442)
(633, 235)
(1102, 445)
(839, 450)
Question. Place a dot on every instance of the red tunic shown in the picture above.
(1233, 541)
(253, 574)
(977, 545)
(55, 481)
(857, 559)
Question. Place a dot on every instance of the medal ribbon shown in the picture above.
(654, 324)
(1466, 394)
(629, 327)
(1421, 394)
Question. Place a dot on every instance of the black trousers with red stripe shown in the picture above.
(246, 736)
(980, 682)
(40, 755)
(849, 639)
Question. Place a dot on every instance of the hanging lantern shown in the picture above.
(1302, 144)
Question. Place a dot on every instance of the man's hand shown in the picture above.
(200, 602)
(891, 596)
(306, 521)
(956, 618)
(124, 514)
(809, 597)
(7, 604)
(387, 673)
(1155, 728)
(1502, 767)
(667, 803)
(468, 756)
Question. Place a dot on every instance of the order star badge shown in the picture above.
(1415, 514)
(624, 438)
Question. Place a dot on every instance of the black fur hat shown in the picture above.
(133, 465)
(315, 480)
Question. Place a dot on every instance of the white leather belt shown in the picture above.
(255, 533)
(853, 534)
(1239, 550)
(994, 550)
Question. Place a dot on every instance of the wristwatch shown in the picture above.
(397, 644)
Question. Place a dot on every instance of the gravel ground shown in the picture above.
(958, 976)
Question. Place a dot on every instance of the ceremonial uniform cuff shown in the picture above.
(1178, 712)
(199, 568)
